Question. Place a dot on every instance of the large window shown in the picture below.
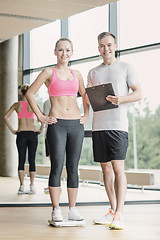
(138, 34)
(84, 29)
(42, 44)
(139, 22)
(146, 113)
(147, 67)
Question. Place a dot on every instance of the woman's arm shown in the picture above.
(42, 125)
(41, 128)
(43, 77)
(8, 114)
(82, 91)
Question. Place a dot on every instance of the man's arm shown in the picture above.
(134, 96)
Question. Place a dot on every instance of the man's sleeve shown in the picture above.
(89, 80)
(132, 77)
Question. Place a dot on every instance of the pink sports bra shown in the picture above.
(58, 87)
(24, 112)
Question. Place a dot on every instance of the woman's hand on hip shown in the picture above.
(47, 119)
(84, 119)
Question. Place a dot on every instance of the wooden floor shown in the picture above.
(142, 222)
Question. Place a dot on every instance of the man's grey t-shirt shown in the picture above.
(122, 76)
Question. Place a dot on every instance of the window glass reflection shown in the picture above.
(84, 31)
(138, 23)
(43, 41)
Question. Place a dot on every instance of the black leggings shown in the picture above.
(65, 136)
(27, 139)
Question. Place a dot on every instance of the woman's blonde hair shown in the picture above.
(24, 88)
(63, 39)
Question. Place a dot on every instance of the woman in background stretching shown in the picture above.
(27, 138)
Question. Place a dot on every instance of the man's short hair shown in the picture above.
(106, 34)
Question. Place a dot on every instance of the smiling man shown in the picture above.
(110, 127)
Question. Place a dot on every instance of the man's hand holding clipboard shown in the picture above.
(101, 97)
(115, 100)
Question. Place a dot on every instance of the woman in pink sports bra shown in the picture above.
(27, 138)
(65, 131)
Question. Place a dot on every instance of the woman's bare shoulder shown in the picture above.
(16, 105)
(77, 73)
(48, 71)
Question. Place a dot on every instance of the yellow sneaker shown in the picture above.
(117, 222)
(106, 219)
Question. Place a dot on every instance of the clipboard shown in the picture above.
(97, 97)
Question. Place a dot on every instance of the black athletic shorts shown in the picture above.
(109, 145)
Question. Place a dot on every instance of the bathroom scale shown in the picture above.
(67, 223)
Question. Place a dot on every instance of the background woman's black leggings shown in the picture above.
(27, 139)
(65, 136)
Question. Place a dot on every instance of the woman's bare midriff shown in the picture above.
(64, 107)
(26, 124)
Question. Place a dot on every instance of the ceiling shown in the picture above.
(20, 16)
